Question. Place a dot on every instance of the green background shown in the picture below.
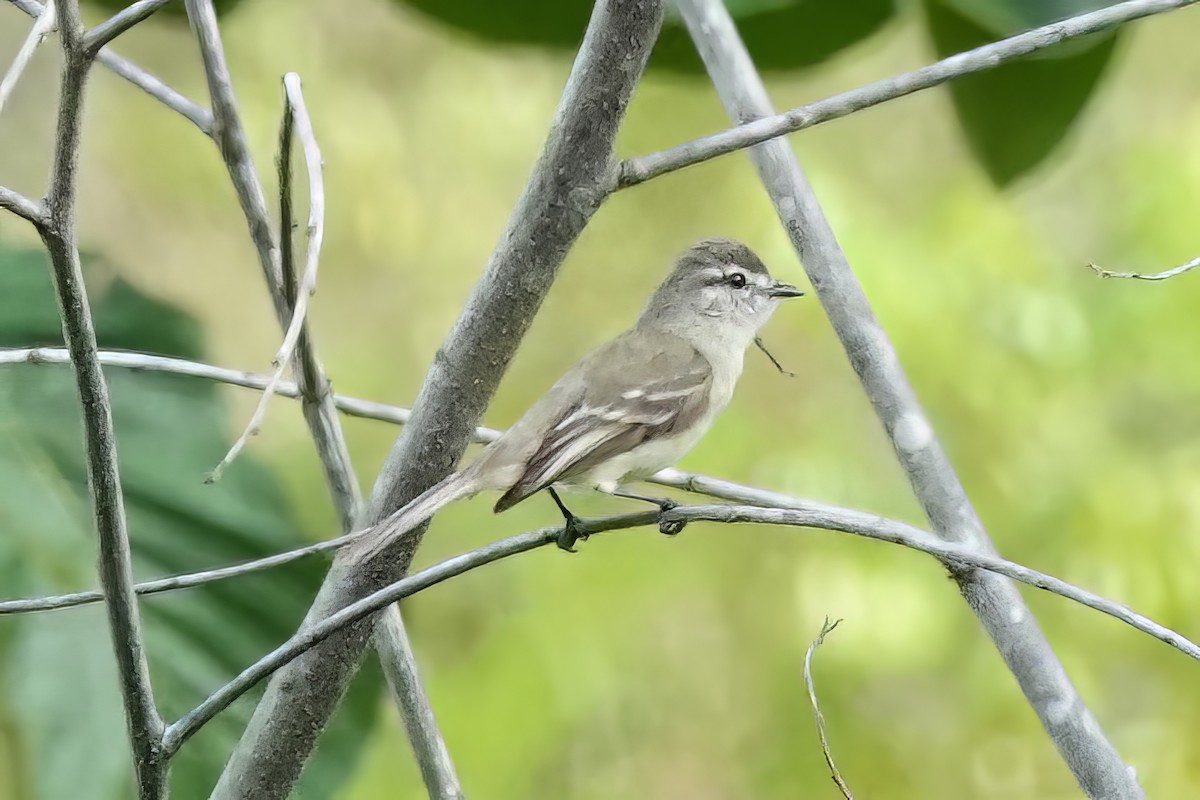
(645, 666)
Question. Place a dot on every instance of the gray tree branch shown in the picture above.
(995, 601)
(196, 114)
(568, 183)
(21, 205)
(751, 132)
(118, 23)
(57, 230)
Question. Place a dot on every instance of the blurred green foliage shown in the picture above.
(670, 668)
(57, 668)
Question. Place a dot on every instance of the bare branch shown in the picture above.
(766, 127)
(22, 206)
(404, 678)
(834, 773)
(1076, 734)
(118, 23)
(352, 406)
(116, 578)
(1157, 276)
(843, 520)
(176, 582)
(573, 175)
(42, 26)
(231, 140)
(196, 114)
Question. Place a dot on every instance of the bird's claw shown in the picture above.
(670, 527)
(572, 531)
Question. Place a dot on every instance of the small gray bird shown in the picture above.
(634, 405)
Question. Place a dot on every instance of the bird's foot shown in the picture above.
(671, 527)
(572, 531)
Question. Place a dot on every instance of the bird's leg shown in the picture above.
(669, 527)
(573, 529)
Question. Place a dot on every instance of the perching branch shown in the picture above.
(841, 520)
(834, 773)
(568, 183)
(1157, 276)
(116, 577)
(196, 114)
(989, 56)
(784, 510)
(1021, 643)
(37, 34)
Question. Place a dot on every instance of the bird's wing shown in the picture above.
(648, 385)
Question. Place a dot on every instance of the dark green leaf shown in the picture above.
(781, 34)
(1015, 115)
(59, 679)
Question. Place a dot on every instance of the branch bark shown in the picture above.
(571, 178)
(21, 205)
(116, 577)
(118, 23)
(1089, 755)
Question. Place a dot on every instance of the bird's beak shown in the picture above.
(780, 289)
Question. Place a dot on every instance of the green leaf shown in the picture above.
(1014, 116)
(781, 34)
(59, 682)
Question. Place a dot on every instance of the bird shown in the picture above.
(632, 406)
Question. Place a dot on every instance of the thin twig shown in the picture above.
(643, 168)
(351, 406)
(1157, 276)
(996, 602)
(22, 206)
(42, 26)
(116, 577)
(193, 112)
(295, 118)
(849, 521)
(118, 23)
(176, 582)
(834, 773)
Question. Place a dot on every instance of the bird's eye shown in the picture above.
(737, 280)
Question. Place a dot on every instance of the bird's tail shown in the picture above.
(456, 486)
